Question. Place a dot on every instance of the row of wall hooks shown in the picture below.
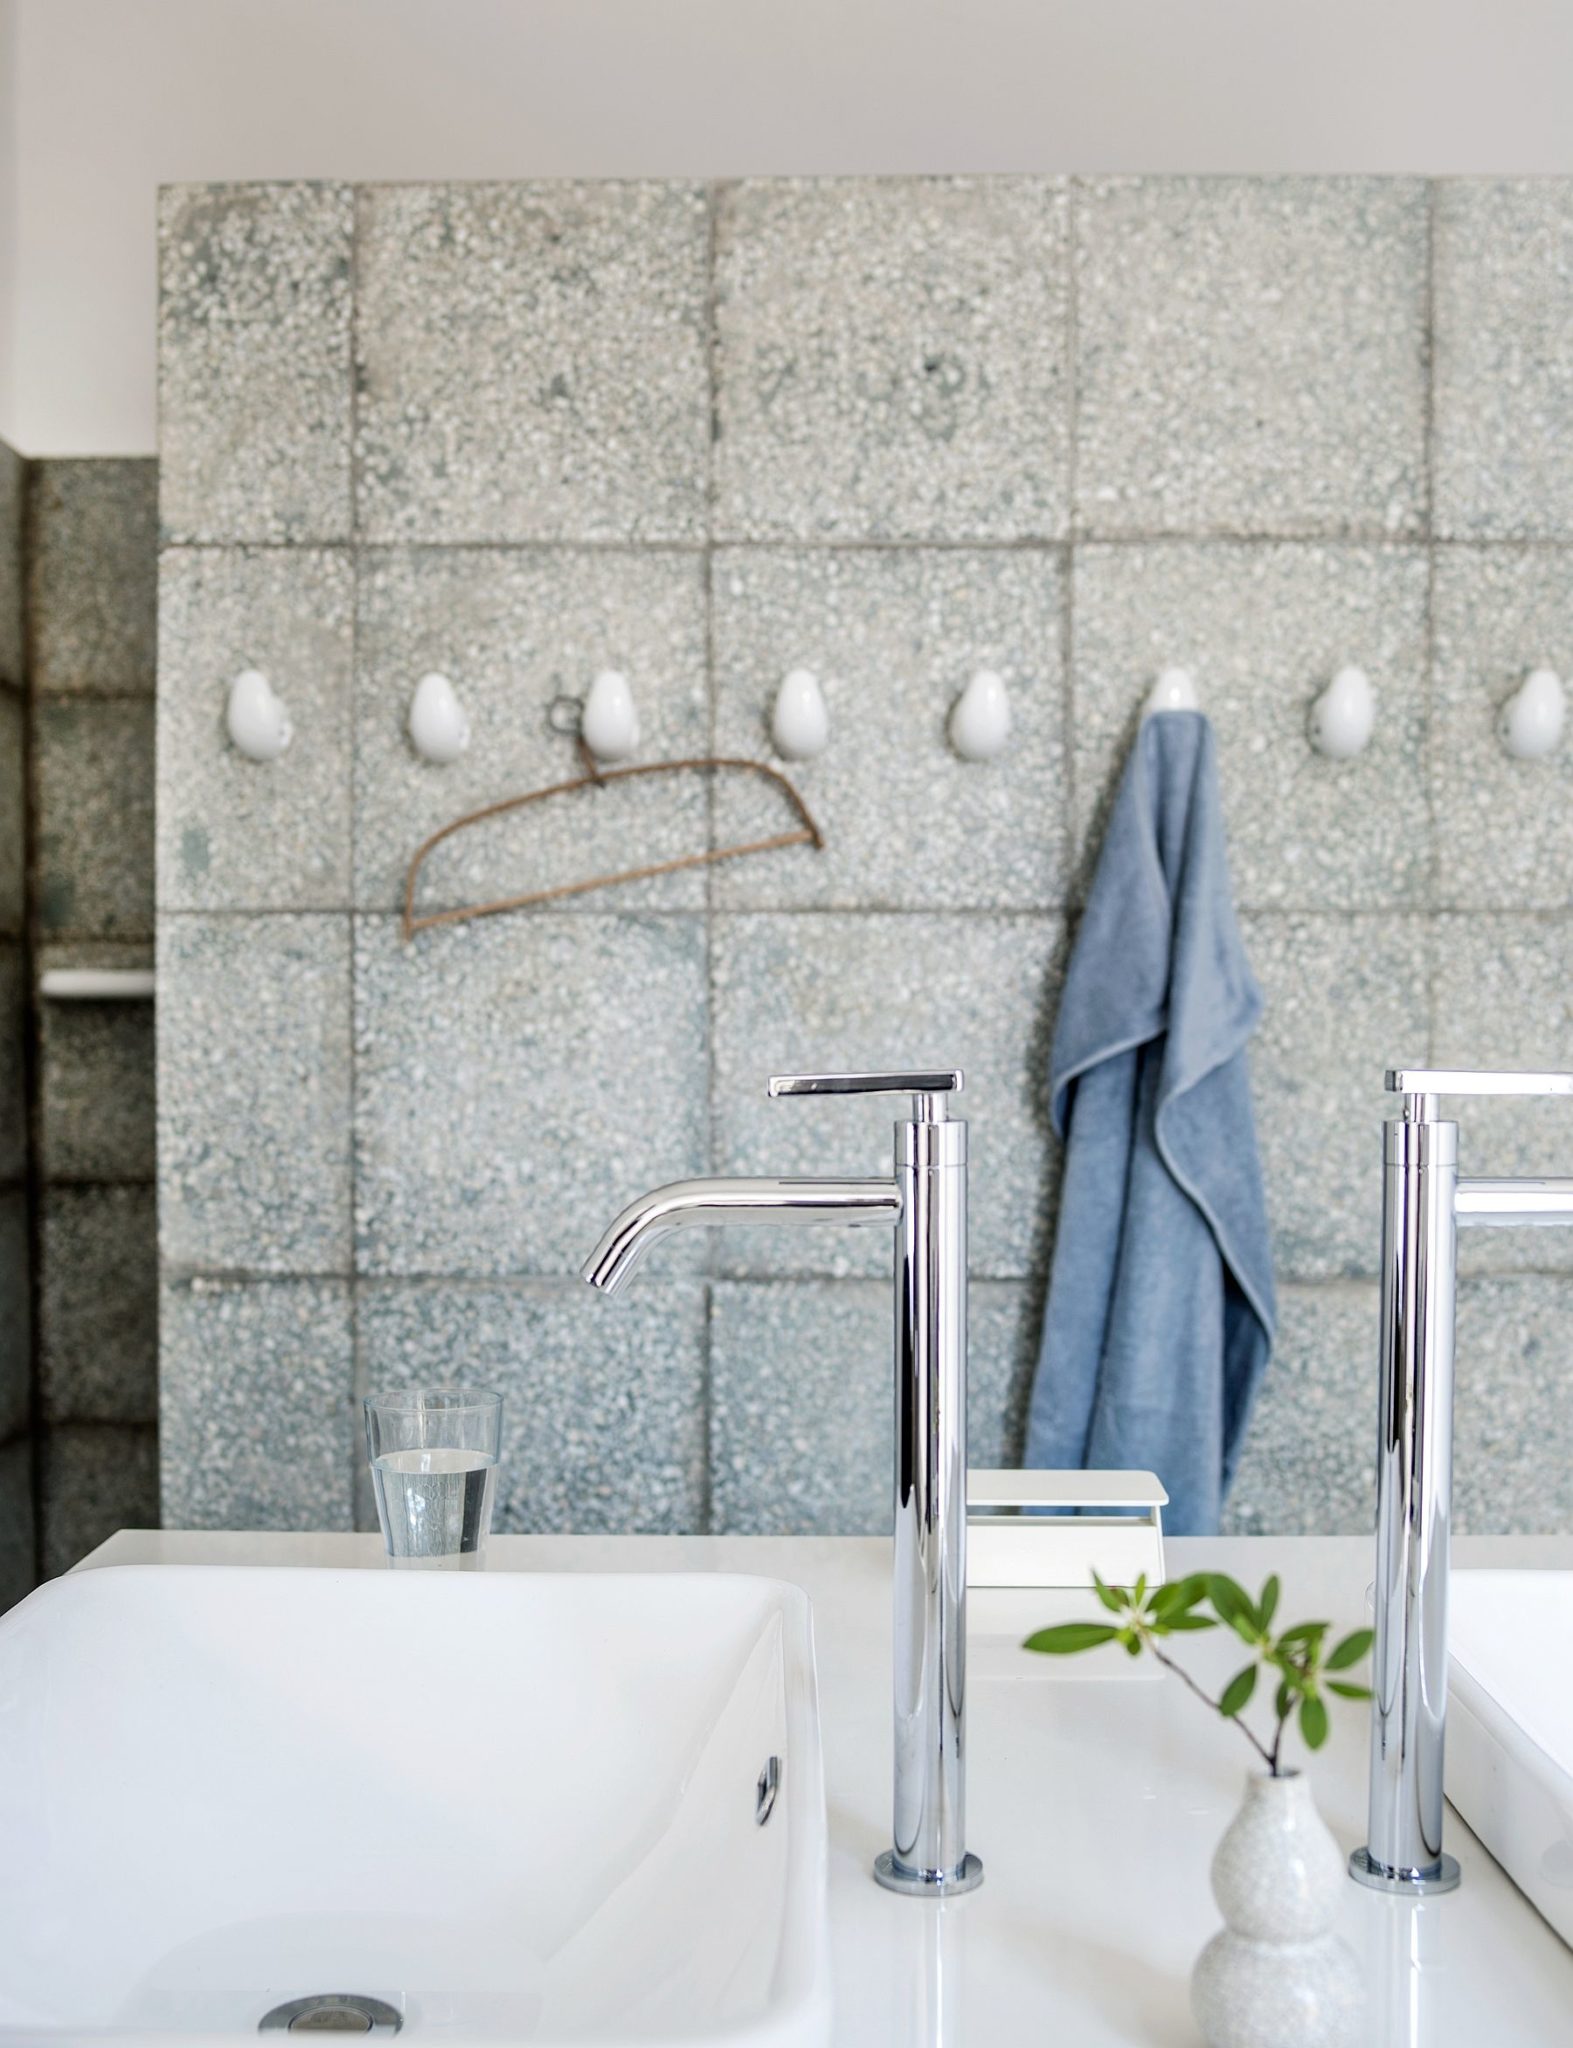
(1341, 723)
(1343, 718)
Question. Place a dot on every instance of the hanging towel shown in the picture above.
(1160, 1312)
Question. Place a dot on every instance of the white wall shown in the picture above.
(8, 210)
(111, 98)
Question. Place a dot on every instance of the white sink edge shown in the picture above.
(1513, 1793)
(805, 1945)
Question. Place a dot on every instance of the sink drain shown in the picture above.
(332, 2012)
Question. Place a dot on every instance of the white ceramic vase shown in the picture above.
(1277, 1976)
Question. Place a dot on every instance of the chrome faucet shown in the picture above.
(1424, 1203)
(925, 1199)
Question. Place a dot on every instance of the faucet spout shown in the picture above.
(683, 1202)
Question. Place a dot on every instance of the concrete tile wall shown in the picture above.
(893, 431)
(18, 1552)
(91, 583)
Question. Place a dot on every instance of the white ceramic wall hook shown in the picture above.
(980, 717)
(1175, 690)
(258, 724)
(799, 719)
(1532, 718)
(439, 727)
(1343, 718)
(610, 724)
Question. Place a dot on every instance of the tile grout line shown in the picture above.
(712, 343)
(1069, 556)
(353, 950)
(1428, 651)
(200, 1278)
(1068, 905)
(1380, 538)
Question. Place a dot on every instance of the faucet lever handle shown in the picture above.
(1457, 1081)
(927, 1086)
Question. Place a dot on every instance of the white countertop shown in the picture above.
(1095, 1796)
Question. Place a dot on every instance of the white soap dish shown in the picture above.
(1117, 1530)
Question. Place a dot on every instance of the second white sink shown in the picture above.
(512, 1808)
(1509, 1764)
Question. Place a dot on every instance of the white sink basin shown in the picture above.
(514, 1808)
(1509, 1767)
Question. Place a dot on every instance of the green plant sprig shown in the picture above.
(1296, 1659)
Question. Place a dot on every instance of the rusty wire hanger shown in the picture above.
(595, 777)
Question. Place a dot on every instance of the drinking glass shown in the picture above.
(434, 1457)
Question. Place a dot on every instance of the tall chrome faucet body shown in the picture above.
(925, 1199)
(1424, 1203)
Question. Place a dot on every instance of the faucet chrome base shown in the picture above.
(928, 1884)
(1412, 1884)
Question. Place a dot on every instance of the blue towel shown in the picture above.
(1160, 1312)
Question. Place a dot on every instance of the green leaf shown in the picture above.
(1306, 1632)
(1313, 1720)
(1176, 1622)
(1234, 1606)
(1283, 1700)
(1177, 1596)
(1132, 1642)
(1139, 1590)
(1350, 1650)
(1267, 1605)
(1113, 1600)
(1237, 1692)
(1348, 1692)
(1069, 1637)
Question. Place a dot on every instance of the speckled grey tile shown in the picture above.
(236, 834)
(603, 1408)
(93, 576)
(1513, 1425)
(796, 993)
(1309, 1463)
(13, 1080)
(13, 830)
(16, 1316)
(254, 1093)
(1504, 357)
(96, 1084)
(1264, 628)
(1251, 355)
(254, 362)
(518, 1080)
(1346, 1000)
(802, 1402)
(98, 1337)
(1502, 996)
(93, 769)
(531, 362)
(259, 1425)
(1508, 842)
(17, 1570)
(95, 1478)
(895, 637)
(511, 631)
(892, 359)
(13, 496)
